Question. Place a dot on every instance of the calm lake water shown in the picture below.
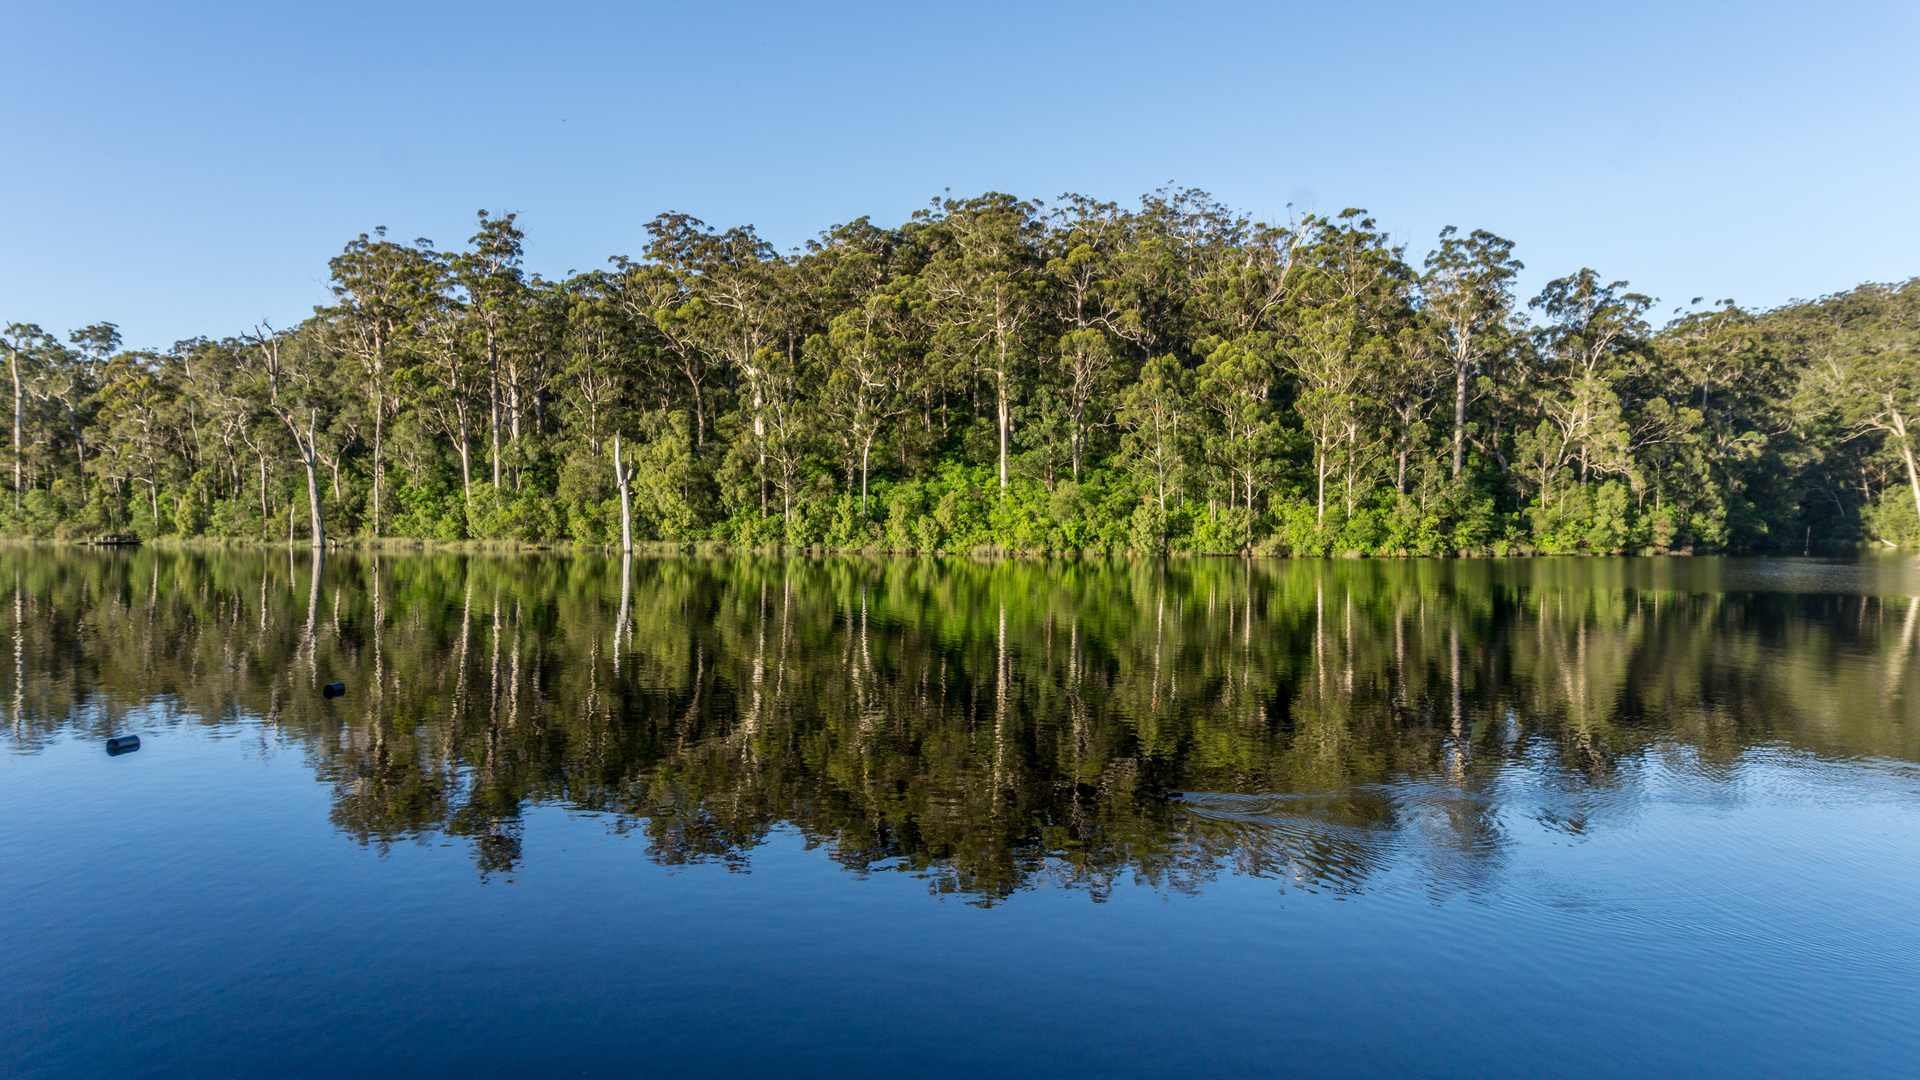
(846, 817)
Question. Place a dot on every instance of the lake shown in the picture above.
(578, 815)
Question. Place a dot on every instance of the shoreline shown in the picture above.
(722, 548)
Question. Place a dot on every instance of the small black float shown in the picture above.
(333, 689)
(123, 744)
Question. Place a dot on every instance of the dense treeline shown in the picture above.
(991, 374)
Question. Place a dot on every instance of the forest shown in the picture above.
(993, 375)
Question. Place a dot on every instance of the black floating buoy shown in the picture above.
(123, 744)
(1175, 794)
(333, 689)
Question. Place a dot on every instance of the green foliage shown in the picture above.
(991, 376)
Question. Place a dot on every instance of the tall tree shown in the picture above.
(294, 374)
(490, 276)
(372, 282)
(984, 278)
(22, 342)
(1468, 288)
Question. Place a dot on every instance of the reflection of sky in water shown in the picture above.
(1436, 819)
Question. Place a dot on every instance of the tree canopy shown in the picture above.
(995, 373)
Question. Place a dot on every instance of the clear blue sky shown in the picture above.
(187, 169)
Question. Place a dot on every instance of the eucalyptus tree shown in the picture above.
(1737, 370)
(443, 373)
(1592, 335)
(1330, 397)
(602, 354)
(293, 379)
(77, 378)
(1234, 387)
(1155, 413)
(1349, 302)
(536, 352)
(1866, 350)
(863, 357)
(985, 279)
(25, 343)
(1468, 290)
(1177, 241)
(734, 284)
(373, 281)
(136, 415)
(218, 380)
(658, 294)
(490, 276)
(1245, 286)
(859, 366)
(1412, 371)
(1091, 237)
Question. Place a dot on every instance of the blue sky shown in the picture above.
(187, 169)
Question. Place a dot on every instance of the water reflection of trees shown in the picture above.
(987, 725)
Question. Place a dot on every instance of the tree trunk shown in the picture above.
(699, 416)
(626, 605)
(513, 416)
(17, 414)
(1005, 412)
(79, 448)
(466, 457)
(621, 475)
(866, 448)
(1906, 453)
(379, 461)
(1320, 471)
(1459, 416)
(313, 481)
(1079, 437)
(493, 402)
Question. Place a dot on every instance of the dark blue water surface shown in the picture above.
(804, 817)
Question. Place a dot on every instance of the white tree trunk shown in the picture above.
(621, 475)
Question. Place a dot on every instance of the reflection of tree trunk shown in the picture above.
(751, 722)
(1002, 673)
(379, 616)
(1459, 718)
(460, 661)
(513, 670)
(620, 625)
(20, 656)
(379, 452)
(313, 613)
